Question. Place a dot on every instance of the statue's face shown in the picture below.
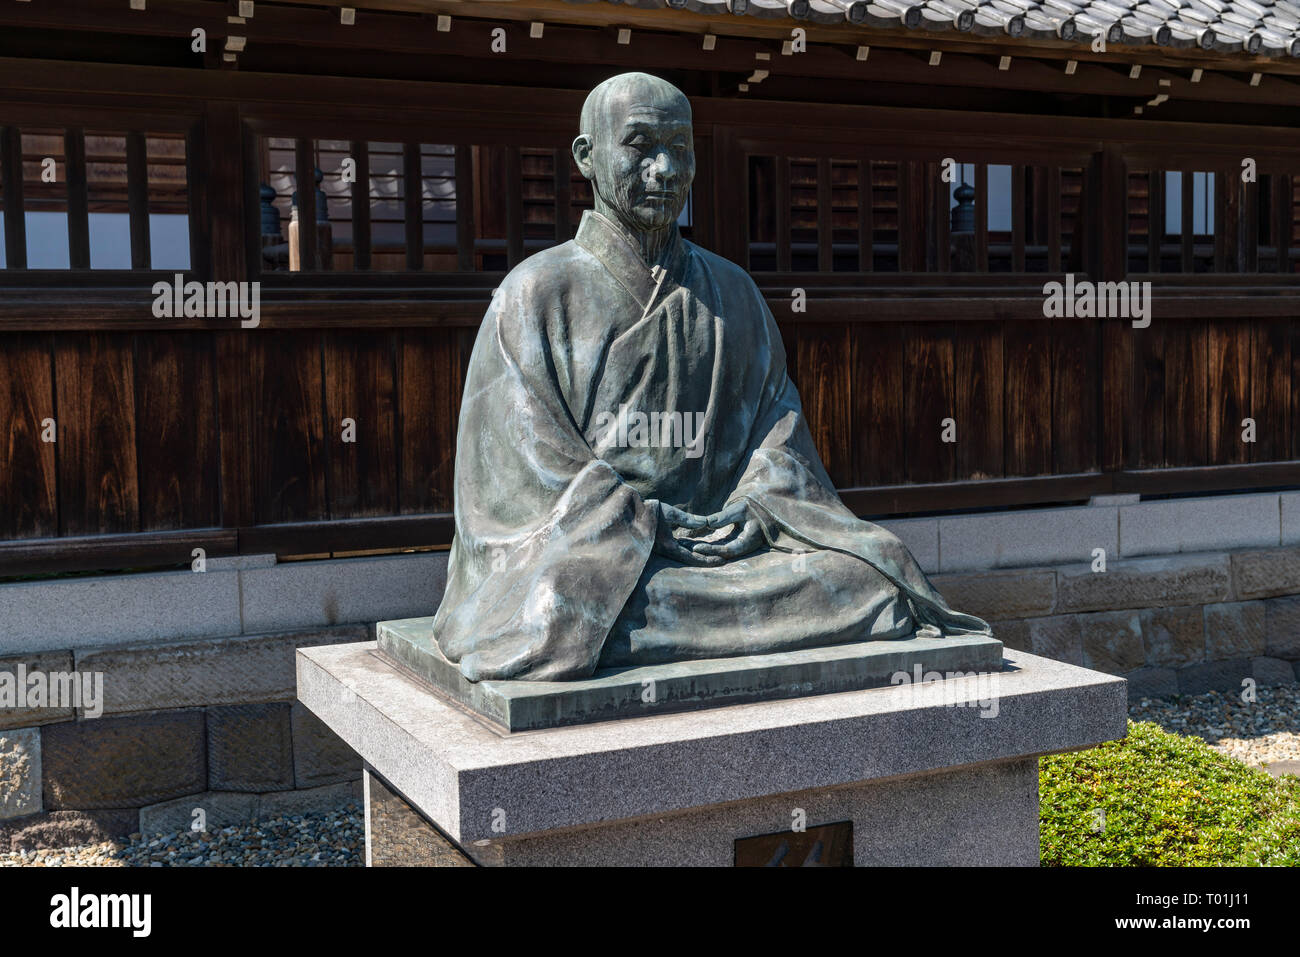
(641, 154)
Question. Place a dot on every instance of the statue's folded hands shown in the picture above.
(682, 548)
(748, 536)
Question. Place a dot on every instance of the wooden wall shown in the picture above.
(180, 432)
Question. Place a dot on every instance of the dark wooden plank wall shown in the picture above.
(168, 429)
(139, 440)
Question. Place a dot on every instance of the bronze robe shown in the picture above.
(551, 573)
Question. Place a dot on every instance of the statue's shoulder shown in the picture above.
(731, 276)
(548, 273)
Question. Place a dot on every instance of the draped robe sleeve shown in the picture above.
(790, 493)
(549, 540)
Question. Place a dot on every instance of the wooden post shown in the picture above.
(1017, 218)
(74, 157)
(783, 257)
(825, 217)
(11, 175)
(413, 191)
(866, 229)
(360, 150)
(514, 207)
(137, 199)
(305, 180)
(1054, 219)
(466, 232)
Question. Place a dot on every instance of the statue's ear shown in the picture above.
(582, 156)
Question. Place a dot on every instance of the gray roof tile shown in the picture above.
(1268, 27)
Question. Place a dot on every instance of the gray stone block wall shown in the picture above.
(1174, 624)
(208, 723)
(212, 723)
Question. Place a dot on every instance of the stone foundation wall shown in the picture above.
(209, 724)
(1180, 624)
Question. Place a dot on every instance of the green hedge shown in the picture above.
(1168, 800)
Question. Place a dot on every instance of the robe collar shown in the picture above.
(606, 242)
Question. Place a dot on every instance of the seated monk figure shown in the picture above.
(635, 482)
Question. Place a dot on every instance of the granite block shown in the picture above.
(915, 822)
(250, 748)
(1112, 641)
(58, 614)
(1266, 573)
(57, 829)
(16, 668)
(20, 773)
(1212, 523)
(122, 762)
(220, 809)
(1234, 629)
(1017, 593)
(1215, 676)
(304, 594)
(1144, 583)
(319, 755)
(327, 797)
(1042, 536)
(1058, 637)
(1173, 637)
(237, 669)
(1151, 683)
(1272, 671)
(1282, 628)
(475, 783)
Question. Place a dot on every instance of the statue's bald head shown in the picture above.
(634, 87)
(636, 148)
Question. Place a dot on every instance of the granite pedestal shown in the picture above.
(924, 772)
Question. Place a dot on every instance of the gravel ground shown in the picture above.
(332, 839)
(1259, 733)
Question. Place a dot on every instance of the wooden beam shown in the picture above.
(1188, 179)
(105, 552)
